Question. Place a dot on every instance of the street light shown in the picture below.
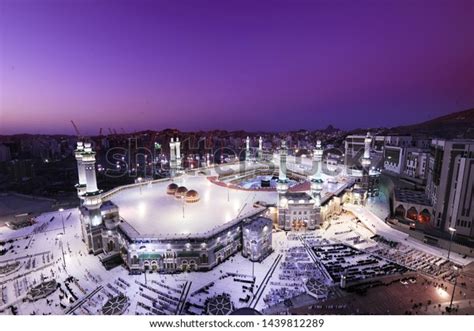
(61, 210)
(453, 232)
(228, 190)
(140, 180)
(183, 205)
(454, 287)
(60, 237)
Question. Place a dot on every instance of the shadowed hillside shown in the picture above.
(455, 125)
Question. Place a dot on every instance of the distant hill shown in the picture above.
(455, 125)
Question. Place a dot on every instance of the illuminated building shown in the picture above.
(257, 238)
(450, 183)
(194, 220)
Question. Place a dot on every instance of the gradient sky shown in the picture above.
(252, 65)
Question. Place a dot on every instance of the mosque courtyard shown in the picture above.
(302, 275)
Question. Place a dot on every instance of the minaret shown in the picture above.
(282, 189)
(346, 157)
(366, 162)
(88, 161)
(247, 149)
(173, 164)
(81, 171)
(260, 149)
(177, 146)
(367, 143)
(283, 153)
(316, 178)
(316, 185)
(90, 214)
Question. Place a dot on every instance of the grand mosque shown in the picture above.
(198, 218)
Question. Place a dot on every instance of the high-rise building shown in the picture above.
(394, 159)
(450, 185)
(416, 164)
(4, 153)
(21, 170)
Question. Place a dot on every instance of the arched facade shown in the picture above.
(424, 216)
(400, 211)
(412, 214)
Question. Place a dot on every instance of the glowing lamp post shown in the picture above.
(61, 210)
(62, 249)
(454, 288)
(453, 232)
(140, 180)
(182, 203)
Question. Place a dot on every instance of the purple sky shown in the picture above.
(253, 65)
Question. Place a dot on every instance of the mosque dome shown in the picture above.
(171, 189)
(181, 192)
(192, 196)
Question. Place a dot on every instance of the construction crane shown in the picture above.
(79, 136)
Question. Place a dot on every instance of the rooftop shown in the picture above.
(152, 212)
(257, 224)
(410, 196)
(149, 211)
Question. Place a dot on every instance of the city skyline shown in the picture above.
(249, 66)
